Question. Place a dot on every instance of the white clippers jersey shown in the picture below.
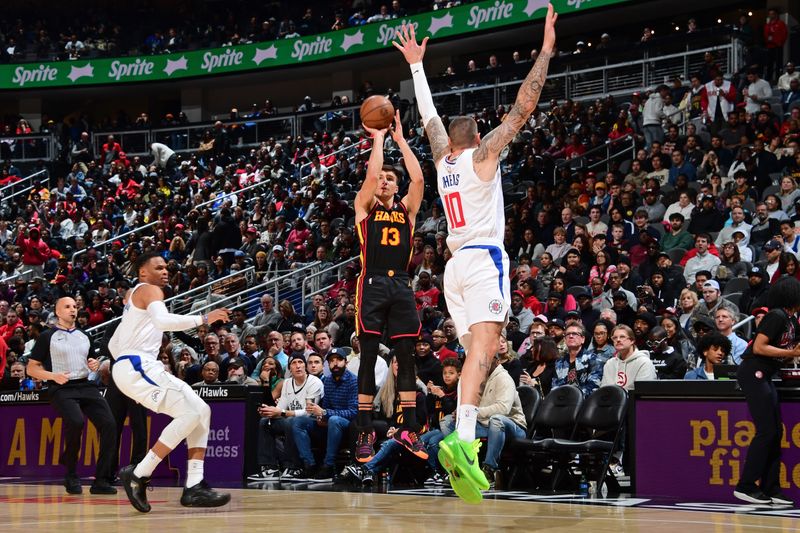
(474, 208)
(136, 333)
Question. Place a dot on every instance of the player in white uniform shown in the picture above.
(476, 280)
(140, 376)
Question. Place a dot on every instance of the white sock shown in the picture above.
(467, 417)
(194, 474)
(148, 464)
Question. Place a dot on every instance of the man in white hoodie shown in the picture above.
(652, 116)
(629, 365)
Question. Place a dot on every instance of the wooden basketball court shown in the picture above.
(34, 508)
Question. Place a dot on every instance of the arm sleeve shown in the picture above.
(166, 321)
(423, 93)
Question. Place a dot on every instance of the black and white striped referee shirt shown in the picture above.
(64, 350)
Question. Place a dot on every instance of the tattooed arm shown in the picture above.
(414, 53)
(485, 157)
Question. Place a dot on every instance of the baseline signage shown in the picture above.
(695, 450)
(451, 22)
(32, 439)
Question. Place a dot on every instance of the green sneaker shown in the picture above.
(460, 460)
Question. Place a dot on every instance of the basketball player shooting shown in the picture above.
(141, 376)
(384, 297)
(476, 282)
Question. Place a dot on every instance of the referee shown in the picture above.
(60, 356)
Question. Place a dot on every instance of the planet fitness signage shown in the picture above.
(696, 450)
(459, 20)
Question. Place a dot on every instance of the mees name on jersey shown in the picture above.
(393, 216)
(450, 180)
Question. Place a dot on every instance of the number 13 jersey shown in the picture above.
(386, 239)
(474, 209)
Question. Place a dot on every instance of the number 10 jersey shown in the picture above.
(474, 209)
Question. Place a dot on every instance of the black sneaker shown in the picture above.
(352, 473)
(367, 477)
(325, 473)
(201, 495)
(102, 487)
(491, 475)
(73, 484)
(780, 498)
(752, 496)
(135, 488)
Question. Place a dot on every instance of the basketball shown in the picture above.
(377, 112)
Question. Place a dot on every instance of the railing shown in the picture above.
(626, 143)
(173, 302)
(220, 198)
(242, 132)
(589, 83)
(15, 276)
(17, 193)
(312, 285)
(22, 148)
(20, 182)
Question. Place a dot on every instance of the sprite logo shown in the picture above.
(387, 33)
(321, 45)
(499, 11)
(229, 58)
(41, 73)
(127, 70)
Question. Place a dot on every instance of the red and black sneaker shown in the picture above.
(411, 441)
(365, 450)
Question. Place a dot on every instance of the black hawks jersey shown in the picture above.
(386, 239)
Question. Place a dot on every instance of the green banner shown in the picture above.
(459, 20)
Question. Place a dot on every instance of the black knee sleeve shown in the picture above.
(406, 373)
(366, 369)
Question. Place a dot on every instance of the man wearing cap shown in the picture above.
(277, 421)
(770, 264)
(711, 301)
(277, 265)
(251, 246)
(654, 207)
(703, 260)
(601, 199)
(586, 312)
(615, 286)
(331, 418)
(555, 306)
(737, 224)
(520, 312)
(755, 294)
(237, 373)
(706, 218)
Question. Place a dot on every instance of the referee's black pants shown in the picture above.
(122, 406)
(72, 401)
(763, 461)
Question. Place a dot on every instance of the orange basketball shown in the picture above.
(377, 112)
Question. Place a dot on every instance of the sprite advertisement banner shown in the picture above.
(459, 20)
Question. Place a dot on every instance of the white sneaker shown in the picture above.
(617, 470)
(291, 475)
(266, 474)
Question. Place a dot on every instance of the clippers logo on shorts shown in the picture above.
(155, 396)
(496, 307)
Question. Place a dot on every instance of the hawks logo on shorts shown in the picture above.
(496, 307)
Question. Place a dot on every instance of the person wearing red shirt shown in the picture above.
(575, 147)
(109, 152)
(12, 322)
(775, 34)
(34, 252)
(428, 294)
(440, 350)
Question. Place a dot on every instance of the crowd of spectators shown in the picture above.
(61, 34)
(628, 269)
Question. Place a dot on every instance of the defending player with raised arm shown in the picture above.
(141, 376)
(384, 299)
(476, 281)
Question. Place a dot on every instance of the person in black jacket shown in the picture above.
(226, 237)
(575, 272)
(775, 340)
(706, 218)
(754, 295)
(429, 368)
(668, 361)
